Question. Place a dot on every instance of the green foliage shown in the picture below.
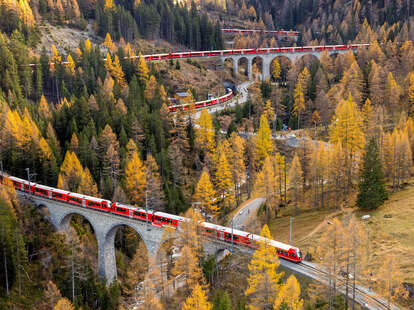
(222, 301)
(372, 191)
(209, 265)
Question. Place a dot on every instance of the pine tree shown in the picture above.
(198, 300)
(153, 184)
(289, 296)
(263, 281)
(204, 194)
(263, 140)
(135, 181)
(222, 301)
(372, 191)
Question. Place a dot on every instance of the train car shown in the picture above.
(129, 211)
(89, 202)
(50, 192)
(236, 236)
(21, 184)
(165, 219)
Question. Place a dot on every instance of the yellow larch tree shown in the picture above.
(88, 45)
(74, 143)
(117, 72)
(64, 304)
(135, 181)
(295, 179)
(263, 141)
(265, 185)
(109, 4)
(108, 41)
(44, 108)
(205, 133)
(289, 295)
(150, 88)
(108, 62)
(87, 185)
(268, 111)
(238, 166)
(276, 69)
(392, 92)
(131, 148)
(281, 170)
(142, 70)
(299, 103)
(224, 182)
(410, 93)
(352, 82)
(149, 291)
(56, 58)
(70, 65)
(70, 174)
(26, 12)
(205, 194)
(263, 281)
(347, 130)
(198, 300)
(303, 79)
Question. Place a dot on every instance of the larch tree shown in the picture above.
(70, 174)
(410, 93)
(87, 185)
(224, 182)
(352, 82)
(135, 180)
(151, 88)
(238, 167)
(268, 111)
(198, 300)
(372, 192)
(263, 281)
(117, 72)
(276, 69)
(44, 108)
(153, 184)
(88, 45)
(392, 92)
(70, 65)
(149, 292)
(135, 273)
(108, 62)
(205, 133)
(263, 141)
(142, 70)
(299, 103)
(347, 130)
(304, 79)
(64, 304)
(108, 42)
(204, 194)
(265, 185)
(289, 295)
(295, 177)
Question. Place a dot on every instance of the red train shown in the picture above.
(248, 31)
(155, 218)
(205, 103)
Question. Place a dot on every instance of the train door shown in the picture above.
(130, 214)
(50, 195)
(221, 235)
(84, 203)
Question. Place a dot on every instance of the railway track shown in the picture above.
(364, 297)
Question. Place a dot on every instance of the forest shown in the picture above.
(96, 120)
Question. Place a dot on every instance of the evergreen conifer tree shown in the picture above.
(372, 191)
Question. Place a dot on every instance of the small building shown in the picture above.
(183, 97)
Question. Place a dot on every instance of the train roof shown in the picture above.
(130, 207)
(19, 180)
(56, 190)
(171, 216)
(87, 197)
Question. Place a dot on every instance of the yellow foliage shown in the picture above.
(150, 88)
(64, 304)
(87, 185)
(197, 301)
(205, 132)
(263, 279)
(117, 72)
(142, 69)
(44, 108)
(88, 45)
(71, 65)
(224, 181)
(135, 182)
(108, 41)
(275, 69)
(268, 111)
(70, 172)
(289, 295)
(263, 140)
(109, 4)
(204, 194)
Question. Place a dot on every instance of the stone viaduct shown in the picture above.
(267, 59)
(105, 226)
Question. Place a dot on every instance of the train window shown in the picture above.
(78, 200)
(55, 195)
(136, 213)
(209, 231)
(235, 237)
(41, 191)
(94, 204)
(121, 209)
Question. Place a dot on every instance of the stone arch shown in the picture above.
(309, 59)
(285, 64)
(107, 252)
(230, 62)
(64, 222)
(258, 62)
(244, 63)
